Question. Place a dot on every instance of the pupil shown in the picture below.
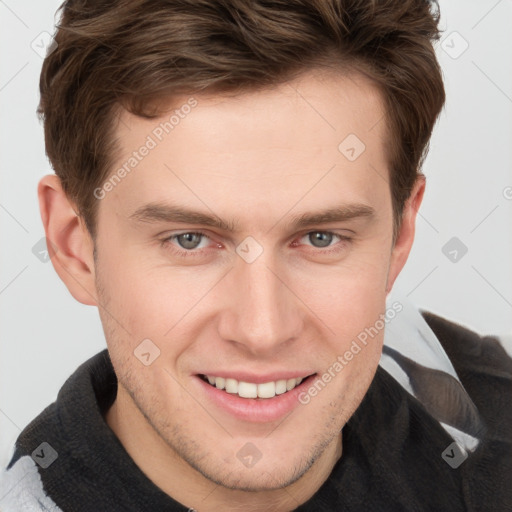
(186, 240)
(319, 236)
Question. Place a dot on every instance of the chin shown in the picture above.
(258, 478)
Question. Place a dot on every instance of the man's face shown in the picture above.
(262, 298)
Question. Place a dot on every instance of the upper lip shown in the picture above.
(260, 378)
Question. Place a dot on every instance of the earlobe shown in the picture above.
(405, 237)
(69, 244)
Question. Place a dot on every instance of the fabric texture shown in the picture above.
(415, 357)
(398, 454)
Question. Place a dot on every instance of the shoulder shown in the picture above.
(61, 432)
(483, 366)
(21, 488)
(468, 349)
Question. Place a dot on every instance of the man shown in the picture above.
(236, 191)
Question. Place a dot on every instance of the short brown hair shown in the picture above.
(129, 53)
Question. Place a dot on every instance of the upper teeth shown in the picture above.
(251, 390)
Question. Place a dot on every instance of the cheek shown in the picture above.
(150, 298)
(350, 296)
(134, 296)
(156, 302)
(151, 307)
(350, 302)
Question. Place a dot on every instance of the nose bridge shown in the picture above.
(263, 313)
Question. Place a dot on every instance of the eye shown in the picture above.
(324, 239)
(320, 239)
(188, 241)
(192, 243)
(186, 244)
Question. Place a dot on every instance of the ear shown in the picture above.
(69, 244)
(405, 236)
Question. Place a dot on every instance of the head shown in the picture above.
(237, 182)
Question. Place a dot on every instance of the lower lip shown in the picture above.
(262, 410)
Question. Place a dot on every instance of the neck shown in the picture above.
(174, 476)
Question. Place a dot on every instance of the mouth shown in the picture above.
(254, 391)
(252, 397)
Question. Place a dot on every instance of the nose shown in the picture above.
(261, 312)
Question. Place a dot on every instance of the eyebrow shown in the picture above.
(160, 212)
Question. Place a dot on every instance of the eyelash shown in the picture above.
(199, 252)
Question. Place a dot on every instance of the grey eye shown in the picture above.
(322, 238)
(189, 240)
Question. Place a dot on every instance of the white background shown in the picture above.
(46, 334)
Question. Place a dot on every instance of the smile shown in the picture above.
(252, 390)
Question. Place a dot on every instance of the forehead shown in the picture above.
(322, 131)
